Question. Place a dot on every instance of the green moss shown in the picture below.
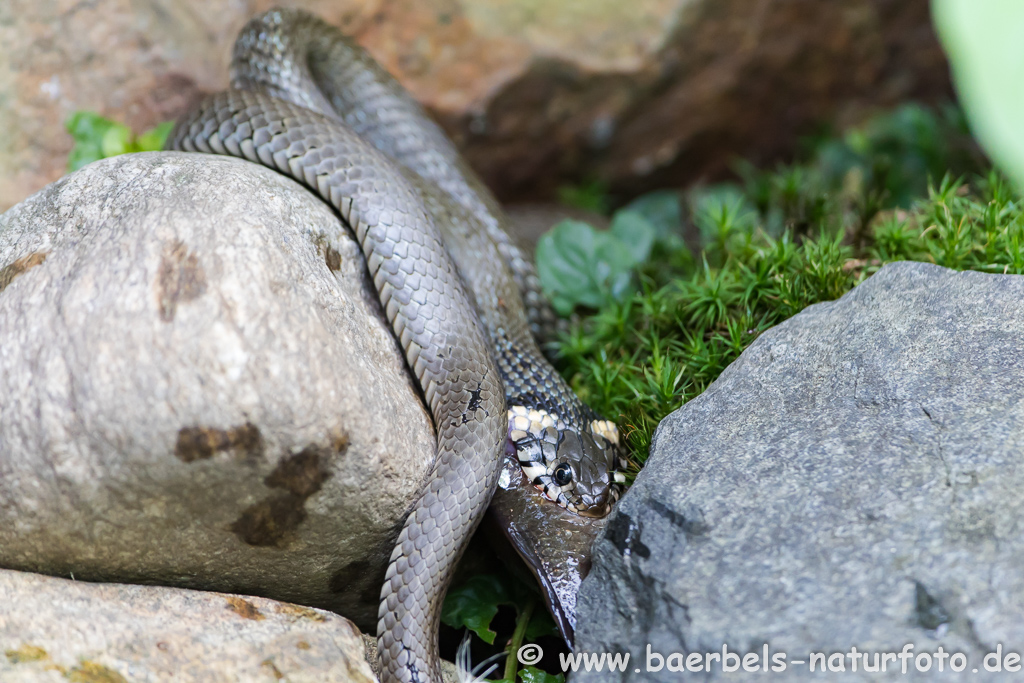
(746, 256)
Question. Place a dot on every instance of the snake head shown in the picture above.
(574, 466)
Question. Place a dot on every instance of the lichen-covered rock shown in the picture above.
(536, 92)
(853, 480)
(59, 630)
(194, 368)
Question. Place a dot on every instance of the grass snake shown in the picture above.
(461, 297)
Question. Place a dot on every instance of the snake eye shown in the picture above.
(563, 474)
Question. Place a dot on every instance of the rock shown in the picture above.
(138, 62)
(194, 367)
(537, 93)
(853, 480)
(58, 630)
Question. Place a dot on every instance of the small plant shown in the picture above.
(475, 603)
(652, 333)
(579, 265)
(97, 137)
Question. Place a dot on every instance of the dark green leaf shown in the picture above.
(474, 604)
(541, 624)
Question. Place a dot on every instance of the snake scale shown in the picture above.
(461, 298)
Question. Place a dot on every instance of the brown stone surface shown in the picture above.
(537, 92)
(54, 630)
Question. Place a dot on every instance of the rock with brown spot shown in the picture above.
(13, 270)
(181, 279)
(247, 442)
(536, 92)
(197, 443)
(55, 629)
(244, 608)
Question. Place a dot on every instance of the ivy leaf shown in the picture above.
(474, 604)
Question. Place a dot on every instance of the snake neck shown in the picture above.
(530, 381)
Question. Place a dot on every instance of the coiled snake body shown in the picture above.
(312, 105)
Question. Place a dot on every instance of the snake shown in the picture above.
(462, 299)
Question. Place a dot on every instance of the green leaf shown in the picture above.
(474, 604)
(566, 264)
(662, 209)
(117, 140)
(97, 137)
(87, 128)
(541, 624)
(82, 154)
(579, 265)
(986, 52)
(635, 232)
(153, 140)
(532, 674)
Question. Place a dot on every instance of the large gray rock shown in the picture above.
(59, 630)
(194, 369)
(855, 479)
